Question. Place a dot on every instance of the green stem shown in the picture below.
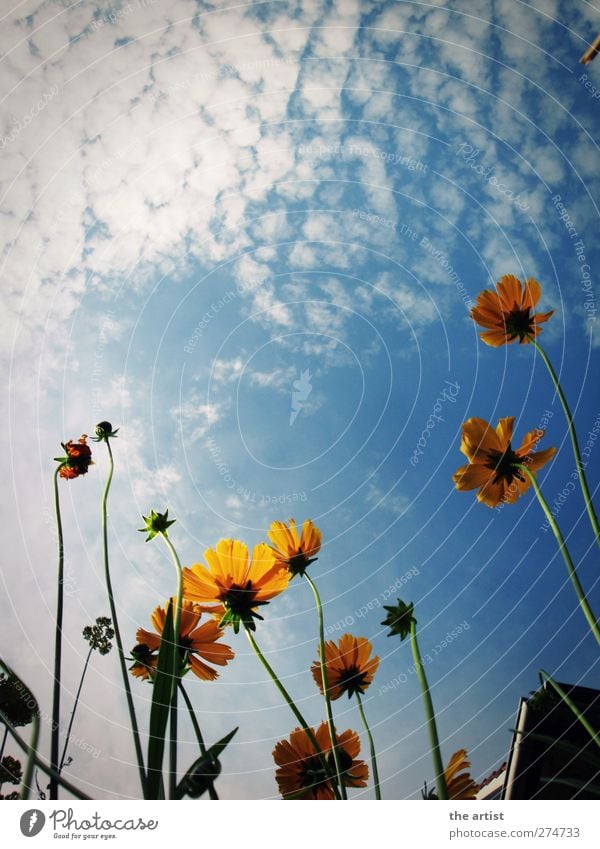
(54, 739)
(571, 704)
(64, 753)
(434, 742)
(3, 744)
(176, 666)
(309, 732)
(211, 788)
(371, 744)
(2, 750)
(572, 433)
(178, 604)
(37, 761)
(587, 610)
(334, 746)
(113, 610)
(28, 774)
(173, 748)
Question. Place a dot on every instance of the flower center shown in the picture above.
(504, 465)
(312, 773)
(519, 322)
(352, 680)
(298, 562)
(238, 599)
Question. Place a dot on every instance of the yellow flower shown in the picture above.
(350, 669)
(296, 552)
(507, 314)
(493, 464)
(235, 585)
(459, 783)
(300, 773)
(195, 642)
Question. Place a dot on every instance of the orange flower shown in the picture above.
(349, 666)
(235, 585)
(296, 552)
(78, 459)
(459, 783)
(301, 775)
(508, 313)
(493, 464)
(194, 642)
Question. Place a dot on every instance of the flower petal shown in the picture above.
(470, 477)
(504, 429)
(478, 438)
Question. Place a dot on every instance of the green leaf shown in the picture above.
(161, 705)
(203, 771)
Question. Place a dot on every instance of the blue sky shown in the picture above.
(215, 217)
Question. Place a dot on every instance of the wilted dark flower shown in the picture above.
(10, 770)
(16, 702)
(77, 460)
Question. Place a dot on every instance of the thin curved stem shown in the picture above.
(54, 739)
(64, 753)
(113, 610)
(371, 745)
(589, 506)
(334, 746)
(290, 702)
(587, 610)
(573, 707)
(211, 787)
(440, 778)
